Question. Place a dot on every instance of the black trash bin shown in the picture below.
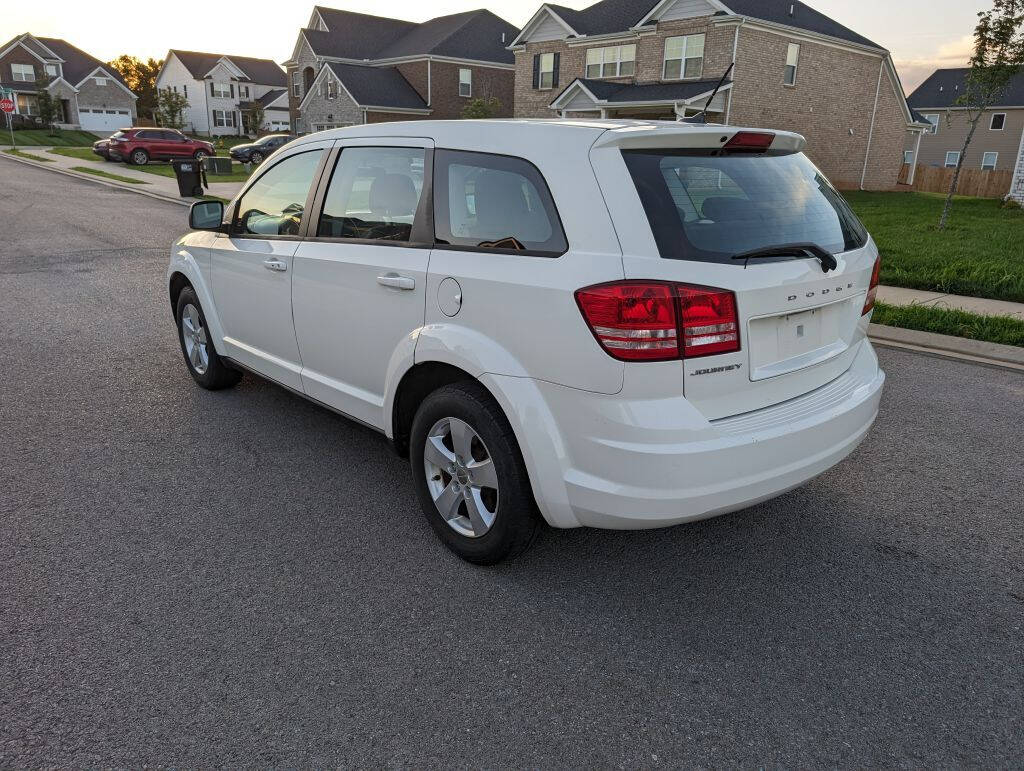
(191, 177)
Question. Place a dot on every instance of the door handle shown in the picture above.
(279, 265)
(396, 281)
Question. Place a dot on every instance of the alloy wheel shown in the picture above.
(193, 333)
(461, 477)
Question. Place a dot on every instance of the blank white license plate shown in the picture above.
(780, 344)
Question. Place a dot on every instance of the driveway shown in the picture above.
(241, 578)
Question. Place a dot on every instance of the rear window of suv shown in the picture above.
(709, 208)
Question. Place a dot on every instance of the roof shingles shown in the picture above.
(944, 87)
(265, 72)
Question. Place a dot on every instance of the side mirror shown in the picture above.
(206, 215)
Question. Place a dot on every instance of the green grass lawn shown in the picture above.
(42, 138)
(994, 329)
(28, 156)
(81, 153)
(108, 175)
(980, 254)
(238, 174)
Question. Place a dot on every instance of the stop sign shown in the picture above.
(6, 105)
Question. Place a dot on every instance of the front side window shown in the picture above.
(952, 159)
(547, 71)
(933, 119)
(24, 73)
(792, 59)
(998, 122)
(373, 194)
(465, 81)
(988, 161)
(611, 61)
(709, 208)
(494, 202)
(684, 57)
(273, 206)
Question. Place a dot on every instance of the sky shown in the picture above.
(921, 34)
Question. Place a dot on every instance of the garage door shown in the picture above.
(104, 120)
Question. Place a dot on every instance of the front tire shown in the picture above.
(470, 477)
(204, 364)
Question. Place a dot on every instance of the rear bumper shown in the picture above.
(627, 463)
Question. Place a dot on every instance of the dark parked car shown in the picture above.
(142, 145)
(255, 152)
(102, 149)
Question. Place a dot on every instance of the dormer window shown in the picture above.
(684, 57)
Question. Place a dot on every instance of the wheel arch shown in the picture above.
(417, 383)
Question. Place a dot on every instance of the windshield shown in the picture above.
(710, 208)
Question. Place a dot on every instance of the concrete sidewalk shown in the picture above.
(153, 183)
(898, 296)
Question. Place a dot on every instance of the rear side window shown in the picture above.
(373, 194)
(273, 206)
(710, 208)
(494, 202)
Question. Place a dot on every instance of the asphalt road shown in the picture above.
(240, 578)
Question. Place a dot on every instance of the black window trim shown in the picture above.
(232, 220)
(422, 223)
(511, 252)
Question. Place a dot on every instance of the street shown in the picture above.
(242, 578)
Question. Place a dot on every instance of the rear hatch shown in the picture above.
(688, 202)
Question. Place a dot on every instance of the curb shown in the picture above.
(100, 181)
(961, 348)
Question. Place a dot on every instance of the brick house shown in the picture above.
(221, 88)
(998, 142)
(351, 68)
(794, 69)
(90, 94)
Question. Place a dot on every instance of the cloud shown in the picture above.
(955, 53)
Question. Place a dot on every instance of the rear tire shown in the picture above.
(138, 158)
(200, 155)
(204, 364)
(256, 158)
(463, 441)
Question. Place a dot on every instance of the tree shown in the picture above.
(253, 117)
(48, 107)
(170, 109)
(998, 57)
(141, 79)
(483, 107)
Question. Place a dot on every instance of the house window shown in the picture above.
(908, 156)
(100, 81)
(330, 88)
(952, 159)
(547, 71)
(27, 104)
(792, 58)
(684, 57)
(243, 92)
(998, 122)
(25, 73)
(224, 118)
(611, 62)
(296, 84)
(988, 161)
(51, 70)
(222, 90)
(184, 89)
(932, 118)
(465, 82)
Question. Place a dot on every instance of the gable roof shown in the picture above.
(271, 96)
(469, 35)
(266, 72)
(610, 16)
(944, 87)
(377, 86)
(76, 64)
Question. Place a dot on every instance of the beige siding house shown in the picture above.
(793, 68)
(997, 142)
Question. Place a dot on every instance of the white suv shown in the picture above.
(617, 324)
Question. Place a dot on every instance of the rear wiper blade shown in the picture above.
(825, 257)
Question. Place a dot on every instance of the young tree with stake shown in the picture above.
(998, 57)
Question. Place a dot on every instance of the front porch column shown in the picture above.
(604, 112)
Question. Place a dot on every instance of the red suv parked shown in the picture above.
(139, 146)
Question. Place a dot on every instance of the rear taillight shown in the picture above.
(750, 140)
(655, 321)
(869, 301)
